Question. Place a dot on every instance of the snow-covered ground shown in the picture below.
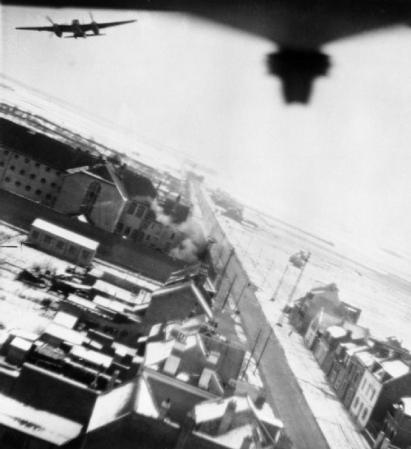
(385, 300)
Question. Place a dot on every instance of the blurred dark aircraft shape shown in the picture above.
(300, 28)
(76, 28)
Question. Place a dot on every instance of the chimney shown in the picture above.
(186, 429)
(259, 402)
(113, 379)
(247, 442)
(227, 418)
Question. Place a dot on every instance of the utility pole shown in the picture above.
(293, 290)
(252, 353)
(240, 297)
(291, 295)
(228, 292)
(280, 283)
(223, 271)
(264, 348)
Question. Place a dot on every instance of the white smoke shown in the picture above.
(161, 217)
(193, 241)
(193, 244)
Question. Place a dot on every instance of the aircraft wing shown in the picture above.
(62, 28)
(89, 27)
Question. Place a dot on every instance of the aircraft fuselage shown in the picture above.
(77, 30)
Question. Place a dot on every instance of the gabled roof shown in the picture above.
(190, 272)
(215, 409)
(246, 420)
(129, 183)
(136, 184)
(192, 355)
(187, 289)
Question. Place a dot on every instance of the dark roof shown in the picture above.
(135, 184)
(41, 147)
(101, 171)
(129, 183)
(231, 358)
(191, 272)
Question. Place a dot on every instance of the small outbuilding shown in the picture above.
(62, 243)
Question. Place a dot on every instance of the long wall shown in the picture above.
(227, 264)
(283, 391)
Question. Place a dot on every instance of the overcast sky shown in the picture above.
(340, 166)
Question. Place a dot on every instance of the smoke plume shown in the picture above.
(194, 244)
(160, 215)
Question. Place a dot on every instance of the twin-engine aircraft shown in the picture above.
(76, 28)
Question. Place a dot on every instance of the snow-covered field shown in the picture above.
(371, 285)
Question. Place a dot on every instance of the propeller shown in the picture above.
(56, 28)
(94, 24)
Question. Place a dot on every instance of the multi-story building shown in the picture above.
(384, 382)
(62, 243)
(237, 422)
(103, 192)
(187, 293)
(343, 370)
(187, 367)
(327, 342)
(323, 300)
(32, 164)
(139, 224)
(109, 195)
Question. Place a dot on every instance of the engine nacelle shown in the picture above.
(57, 31)
(95, 28)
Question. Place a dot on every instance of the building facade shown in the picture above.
(62, 242)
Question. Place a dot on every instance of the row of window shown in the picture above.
(32, 176)
(362, 412)
(370, 390)
(136, 234)
(61, 245)
(28, 188)
(137, 209)
(26, 160)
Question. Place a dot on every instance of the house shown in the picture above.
(105, 193)
(383, 382)
(342, 371)
(188, 367)
(237, 422)
(76, 374)
(105, 315)
(397, 423)
(319, 324)
(62, 243)
(324, 298)
(32, 164)
(186, 293)
(177, 207)
(159, 235)
(328, 341)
